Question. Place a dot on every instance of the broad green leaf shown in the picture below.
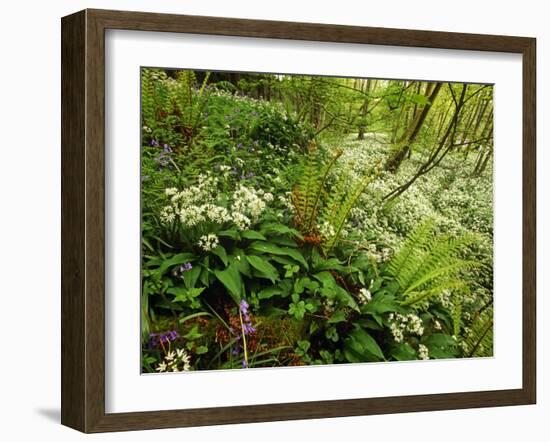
(403, 352)
(326, 279)
(233, 234)
(362, 346)
(190, 277)
(220, 252)
(241, 264)
(252, 234)
(264, 266)
(283, 288)
(266, 247)
(278, 228)
(231, 279)
(178, 259)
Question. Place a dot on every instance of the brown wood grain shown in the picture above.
(83, 219)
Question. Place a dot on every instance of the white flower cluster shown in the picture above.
(249, 201)
(175, 361)
(364, 296)
(402, 324)
(326, 230)
(445, 298)
(423, 352)
(208, 242)
(198, 204)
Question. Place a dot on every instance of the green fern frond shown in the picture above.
(415, 240)
(337, 211)
(479, 341)
(155, 96)
(456, 315)
(438, 273)
(308, 192)
(439, 254)
(418, 297)
(186, 81)
(428, 264)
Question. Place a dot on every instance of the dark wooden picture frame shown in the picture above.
(83, 216)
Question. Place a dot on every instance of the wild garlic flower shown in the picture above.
(423, 352)
(208, 242)
(200, 203)
(445, 298)
(241, 221)
(175, 361)
(326, 230)
(405, 324)
(247, 201)
(364, 296)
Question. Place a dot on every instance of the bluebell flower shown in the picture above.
(156, 339)
(186, 267)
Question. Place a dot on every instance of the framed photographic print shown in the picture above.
(268, 220)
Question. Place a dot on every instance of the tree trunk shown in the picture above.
(404, 144)
(364, 112)
(437, 155)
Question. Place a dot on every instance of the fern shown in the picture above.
(315, 202)
(307, 194)
(456, 315)
(184, 94)
(417, 238)
(479, 341)
(189, 102)
(155, 97)
(339, 207)
(427, 265)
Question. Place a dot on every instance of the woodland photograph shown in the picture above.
(297, 220)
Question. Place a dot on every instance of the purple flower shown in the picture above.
(186, 267)
(156, 339)
(248, 329)
(243, 306)
(162, 159)
(247, 323)
(167, 148)
(239, 146)
(245, 364)
(154, 143)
